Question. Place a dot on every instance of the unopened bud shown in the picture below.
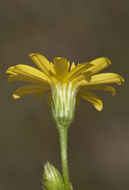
(52, 179)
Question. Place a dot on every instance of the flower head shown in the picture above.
(64, 82)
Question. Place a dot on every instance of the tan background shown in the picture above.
(98, 142)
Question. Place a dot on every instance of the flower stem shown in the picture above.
(64, 156)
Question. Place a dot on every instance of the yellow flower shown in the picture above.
(60, 74)
(64, 83)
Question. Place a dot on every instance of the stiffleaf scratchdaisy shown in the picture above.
(64, 83)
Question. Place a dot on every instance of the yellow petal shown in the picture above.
(85, 70)
(80, 69)
(26, 71)
(97, 65)
(61, 67)
(10, 70)
(103, 78)
(100, 60)
(72, 66)
(29, 89)
(68, 65)
(16, 77)
(100, 64)
(42, 63)
(92, 98)
(98, 87)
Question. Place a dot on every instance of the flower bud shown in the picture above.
(52, 179)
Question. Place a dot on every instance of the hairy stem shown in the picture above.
(64, 156)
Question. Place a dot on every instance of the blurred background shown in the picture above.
(98, 141)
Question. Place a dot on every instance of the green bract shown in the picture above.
(63, 103)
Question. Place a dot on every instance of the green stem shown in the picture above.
(64, 156)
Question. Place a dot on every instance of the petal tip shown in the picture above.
(32, 54)
(99, 107)
(9, 70)
(113, 91)
(121, 80)
(109, 62)
(15, 96)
